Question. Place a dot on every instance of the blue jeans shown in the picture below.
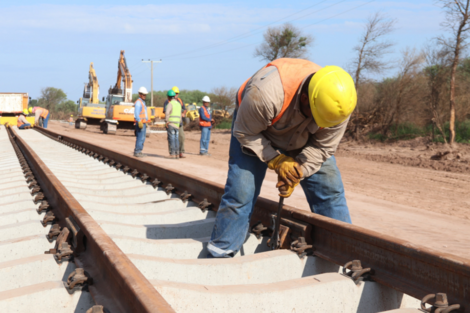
(324, 192)
(24, 125)
(46, 120)
(205, 138)
(140, 138)
(173, 141)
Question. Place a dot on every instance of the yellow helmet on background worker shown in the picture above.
(332, 96)
(25, 112)
(30, 109)
(175, 89)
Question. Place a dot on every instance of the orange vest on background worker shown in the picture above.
(18, 122)
(201, 121)
(292, 73)
(44, 113)
(183, 108)
(142, 116)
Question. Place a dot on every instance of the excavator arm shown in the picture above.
(123, 75)
(93, 82)
(92, 89)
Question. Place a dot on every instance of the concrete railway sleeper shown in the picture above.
(162, 221)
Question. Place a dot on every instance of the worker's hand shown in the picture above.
(141, 125)
(285, 190)
(287, 169)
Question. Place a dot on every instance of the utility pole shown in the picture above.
(151, 80)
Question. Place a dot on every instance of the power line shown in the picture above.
(333, 16)
(256, 30)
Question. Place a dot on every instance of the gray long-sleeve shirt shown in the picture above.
(294, 133)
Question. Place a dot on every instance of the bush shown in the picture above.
(462, 132)
(404, 131)
(224, 124)
(407, 131)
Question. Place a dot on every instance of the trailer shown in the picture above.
(12, 104)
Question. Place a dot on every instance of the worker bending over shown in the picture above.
(290, 117)
(173, 121)
(21, 122)
(41, 116)
(141, 119)
(205, 122)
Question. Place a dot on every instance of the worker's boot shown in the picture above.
(181, 156)
(138, 155)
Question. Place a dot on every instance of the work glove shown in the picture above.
(287, 169)
(141, 125)
(285, 190)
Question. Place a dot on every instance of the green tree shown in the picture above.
(285, 41)
(68, 106)
(33, 103)
(51, 97)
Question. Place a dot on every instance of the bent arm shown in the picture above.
(37, 114)
(321, 146)
(253, 117)
(169, 108)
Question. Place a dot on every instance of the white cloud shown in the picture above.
(132, 19)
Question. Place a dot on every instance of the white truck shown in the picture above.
(11, 104)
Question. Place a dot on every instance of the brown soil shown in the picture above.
(419, 152)
(395, 189)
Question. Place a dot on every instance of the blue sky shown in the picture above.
(203, 45)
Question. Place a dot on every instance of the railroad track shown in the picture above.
(132, 237)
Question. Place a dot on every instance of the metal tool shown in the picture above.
(274, 242)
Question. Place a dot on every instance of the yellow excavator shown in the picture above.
(90, 110)
(119, 105)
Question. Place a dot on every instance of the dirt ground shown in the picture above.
(411, 190)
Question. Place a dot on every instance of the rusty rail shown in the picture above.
(117, 284)
(401, 265)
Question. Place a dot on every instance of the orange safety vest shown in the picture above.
(142, 112)
(19, 123)
(182, 105)
(202, 122)
(44, 113)
(292, 73)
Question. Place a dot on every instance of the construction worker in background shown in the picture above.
(141, 119)
(173, 121)
(290, 118)
(181, 130)
(205, 122)
(21, 122)
(71, 120)
(41, 116)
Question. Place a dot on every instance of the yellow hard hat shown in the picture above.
(25, 112)
(71, 115)
(175, 89)
(332, 96)
(30, 110)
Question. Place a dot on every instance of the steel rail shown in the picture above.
(117, 284)
(401, 265)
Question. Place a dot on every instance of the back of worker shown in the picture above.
(41, 116)
(290, 118)
(173, 121)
